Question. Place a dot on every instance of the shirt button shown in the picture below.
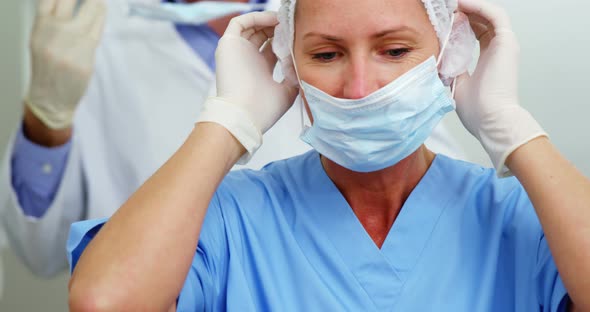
(47, 168)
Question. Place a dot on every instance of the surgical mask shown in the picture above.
(378, 131)
(197, 13)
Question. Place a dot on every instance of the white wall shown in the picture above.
(554, 84)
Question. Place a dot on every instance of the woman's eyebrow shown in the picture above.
(406, 29)
(323, 36)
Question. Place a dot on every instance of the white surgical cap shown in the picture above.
(457, 56)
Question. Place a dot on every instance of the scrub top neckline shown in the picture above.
(404, 243)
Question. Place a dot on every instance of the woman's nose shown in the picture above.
(360, 80)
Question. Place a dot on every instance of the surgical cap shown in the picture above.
(457, 56)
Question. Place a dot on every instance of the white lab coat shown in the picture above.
(142, 104)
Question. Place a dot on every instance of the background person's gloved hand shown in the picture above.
(248, 101)
(488, 101)
(63, 46)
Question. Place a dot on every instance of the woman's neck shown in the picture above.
(377, 197)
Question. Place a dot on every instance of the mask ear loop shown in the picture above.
(302, 104)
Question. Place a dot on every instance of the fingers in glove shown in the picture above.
(270, 57)
(46, 7)
(483, 32)
(290, 92)
(464, 77)
(98, 26)
(91, 12)
(481, 24)
(261, 36)
(244, 24)
(268, 30)
(491, 13)
(64, 9)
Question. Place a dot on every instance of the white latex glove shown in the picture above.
(488, 102)
(249, 101)
(63, 49)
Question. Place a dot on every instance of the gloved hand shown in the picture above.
(62, 48)
(488, 102)
(249, 101)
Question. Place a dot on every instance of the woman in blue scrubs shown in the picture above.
(369, 221)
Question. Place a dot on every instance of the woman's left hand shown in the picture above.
(488, 106)
(488, 102)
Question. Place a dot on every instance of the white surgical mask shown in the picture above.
(378, 131)
(197, 13)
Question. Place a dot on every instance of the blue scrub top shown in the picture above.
(285, 239)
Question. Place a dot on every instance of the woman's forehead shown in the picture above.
(359, 15)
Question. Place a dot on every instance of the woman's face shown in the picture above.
(351, 48)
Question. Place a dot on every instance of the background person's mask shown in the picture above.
(197, 13)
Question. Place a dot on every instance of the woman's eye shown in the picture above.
(328, 56)
(397, 53)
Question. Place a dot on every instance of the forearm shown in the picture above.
(561, 197)
(123, 266)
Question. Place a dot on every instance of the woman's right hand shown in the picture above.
(248, 101)
(245, 74)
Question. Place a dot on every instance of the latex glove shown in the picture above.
(249, 101)
(63, 47)
(488, 102)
